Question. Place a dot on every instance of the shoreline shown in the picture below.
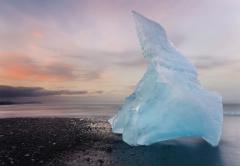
(89, 141)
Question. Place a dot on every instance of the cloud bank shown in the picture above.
(18, 92)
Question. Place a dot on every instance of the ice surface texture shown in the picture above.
(169, 101)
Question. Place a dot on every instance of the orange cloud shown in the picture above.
(21, 67)
(37, 34)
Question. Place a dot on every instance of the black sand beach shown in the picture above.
(85, 141)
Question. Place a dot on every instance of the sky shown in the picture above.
(90, 47)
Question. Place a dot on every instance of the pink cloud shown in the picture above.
(15, 66)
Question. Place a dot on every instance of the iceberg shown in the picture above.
(168, 102)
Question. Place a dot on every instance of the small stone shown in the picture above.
(100, 161)
(27, 155)
(109, 149)
(132, 154)
(13, 147)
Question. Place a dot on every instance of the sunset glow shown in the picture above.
(92, 45)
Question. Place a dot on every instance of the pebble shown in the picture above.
(132, 154)
(27, 155)
(100, 161)
(13, 147)
(109, 149)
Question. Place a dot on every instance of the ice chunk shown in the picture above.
(168, 102)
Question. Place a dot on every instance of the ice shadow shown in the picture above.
(181, 152)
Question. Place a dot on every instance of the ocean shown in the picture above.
(77, 110)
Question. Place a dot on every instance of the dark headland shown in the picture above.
(89, 141)
(7, 102)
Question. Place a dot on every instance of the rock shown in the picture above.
(27, 155)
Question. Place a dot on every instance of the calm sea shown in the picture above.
(77, 110)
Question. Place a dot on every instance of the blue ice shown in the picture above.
(169, 101)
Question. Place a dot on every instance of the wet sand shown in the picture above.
(89, 141)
